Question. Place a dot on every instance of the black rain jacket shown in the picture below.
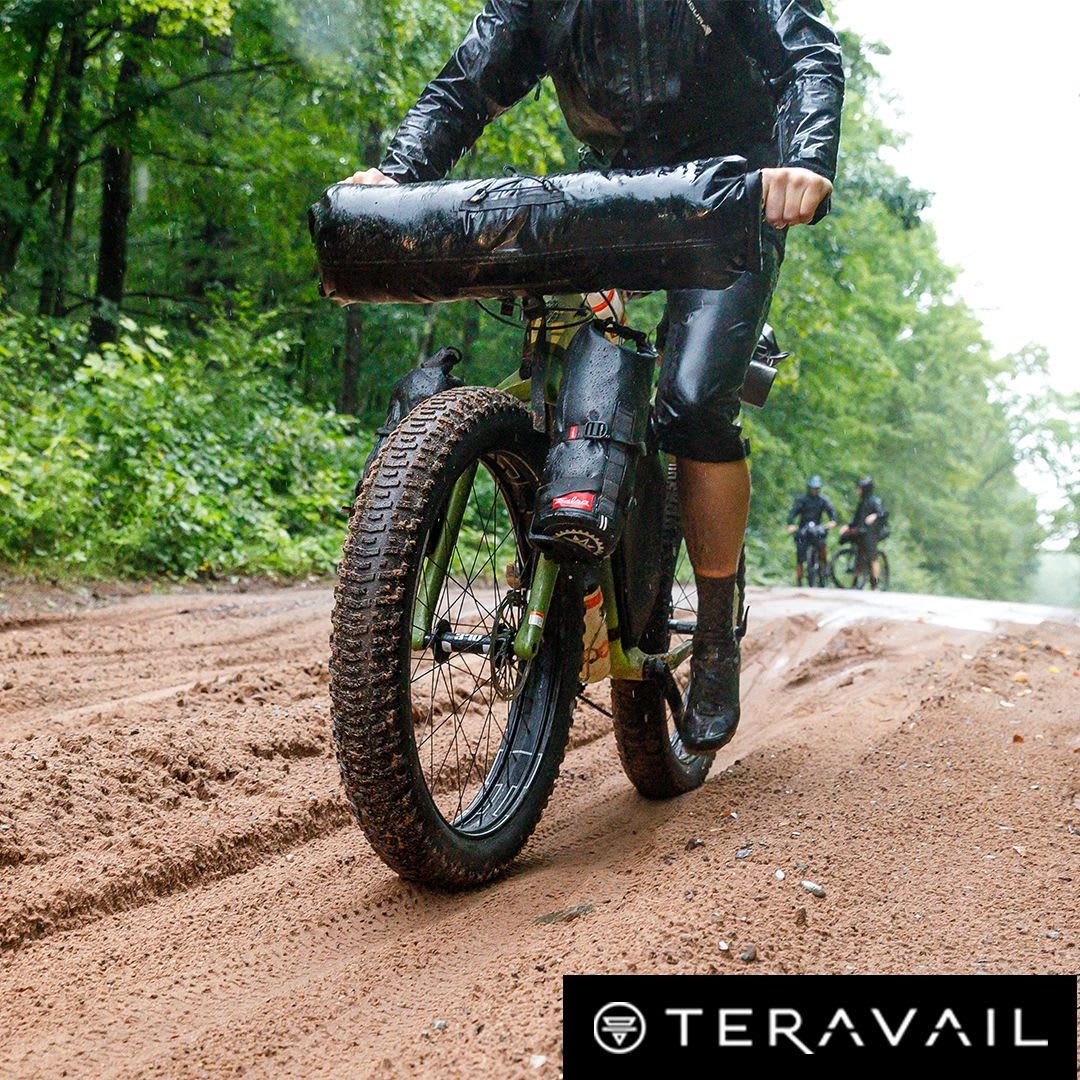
(643, 82)
(811, 508)
(869, 504)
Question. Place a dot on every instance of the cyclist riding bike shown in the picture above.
(809, 509)
(646, 83)
(867, 527)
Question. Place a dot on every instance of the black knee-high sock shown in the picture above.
(717, 598)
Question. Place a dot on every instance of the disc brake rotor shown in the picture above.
(508, 671)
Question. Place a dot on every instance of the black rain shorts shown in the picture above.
(708, 338)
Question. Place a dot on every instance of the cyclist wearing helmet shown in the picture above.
(647, 83)
(809, 509)
(867, 525)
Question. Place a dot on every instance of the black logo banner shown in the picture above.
(818, 1023)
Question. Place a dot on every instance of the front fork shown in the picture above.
(438, 563)
(631, 663)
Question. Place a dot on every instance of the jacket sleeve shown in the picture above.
(800, 57)
(495, 66)
(830, 509)
(796, 506)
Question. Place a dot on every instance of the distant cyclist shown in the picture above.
(809, 509)
(868, 527)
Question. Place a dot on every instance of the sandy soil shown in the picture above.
(184, 893)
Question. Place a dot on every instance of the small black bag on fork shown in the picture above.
(600, 425)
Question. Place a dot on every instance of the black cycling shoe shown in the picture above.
(712, 708)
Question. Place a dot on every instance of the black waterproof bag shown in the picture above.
(600, 425)
(695, 225)
(430, 378)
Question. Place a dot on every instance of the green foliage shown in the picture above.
(214, 16)
(211, 448)
(891, 377)
(157, 458)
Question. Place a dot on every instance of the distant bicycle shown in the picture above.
(815, 535)
(849, 568)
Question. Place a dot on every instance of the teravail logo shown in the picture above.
(825, 1026)
(734, 1028)
(619, 1027)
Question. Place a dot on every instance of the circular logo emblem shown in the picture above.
(619, 1027)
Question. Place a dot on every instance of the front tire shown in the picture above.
(448, 753)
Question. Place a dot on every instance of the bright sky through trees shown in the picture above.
(989, 93)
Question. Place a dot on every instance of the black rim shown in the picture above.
(481, 718)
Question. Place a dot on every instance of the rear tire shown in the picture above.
(492, 726)
(650, 748)
(847, 572)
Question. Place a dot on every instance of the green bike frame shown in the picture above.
(626, 663)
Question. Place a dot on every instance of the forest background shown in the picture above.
(176, 401)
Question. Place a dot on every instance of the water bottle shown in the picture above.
(596, 653)
(607, 305)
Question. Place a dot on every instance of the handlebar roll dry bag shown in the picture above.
(601, 423)
(695, 225)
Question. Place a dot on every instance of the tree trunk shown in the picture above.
(62, 189)
(208, 262)
(11, 234)
(350, 365)
(112, 243)
(427, 335)
(33, 76)
(13, 221)
(348, 400)
(116, 198)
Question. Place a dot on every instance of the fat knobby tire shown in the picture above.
(395, 510)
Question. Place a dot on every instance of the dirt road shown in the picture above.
(183, 891)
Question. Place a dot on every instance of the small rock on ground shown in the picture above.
(566, 915)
